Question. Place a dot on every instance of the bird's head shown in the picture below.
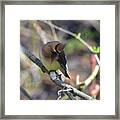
(54, 51)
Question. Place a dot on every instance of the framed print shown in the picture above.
(59, 59)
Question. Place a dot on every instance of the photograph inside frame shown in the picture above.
(60, 60)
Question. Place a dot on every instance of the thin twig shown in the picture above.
(79, 93)
(92, 76)
(59, 28)
(97, 59)
(87, 82)
(53, 32)
(40, 32)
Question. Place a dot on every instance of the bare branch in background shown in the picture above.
(40, 32)
(87, 82)
(97, 59)
(53, 32)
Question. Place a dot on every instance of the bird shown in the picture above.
(53, 52)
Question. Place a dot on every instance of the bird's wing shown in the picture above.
(62, 59)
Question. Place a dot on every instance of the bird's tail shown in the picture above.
(64, 71)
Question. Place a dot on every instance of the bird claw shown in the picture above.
(62, 91)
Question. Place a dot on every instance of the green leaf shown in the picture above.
(89, 34)
(96, 49)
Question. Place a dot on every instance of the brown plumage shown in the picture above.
(54, 51)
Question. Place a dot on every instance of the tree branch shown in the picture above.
(25, 93)
(83, 85)
(40, 32)
(34, 59)
(53, 32)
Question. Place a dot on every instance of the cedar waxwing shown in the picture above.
(53, 51)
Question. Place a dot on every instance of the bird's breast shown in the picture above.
(54, 65)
